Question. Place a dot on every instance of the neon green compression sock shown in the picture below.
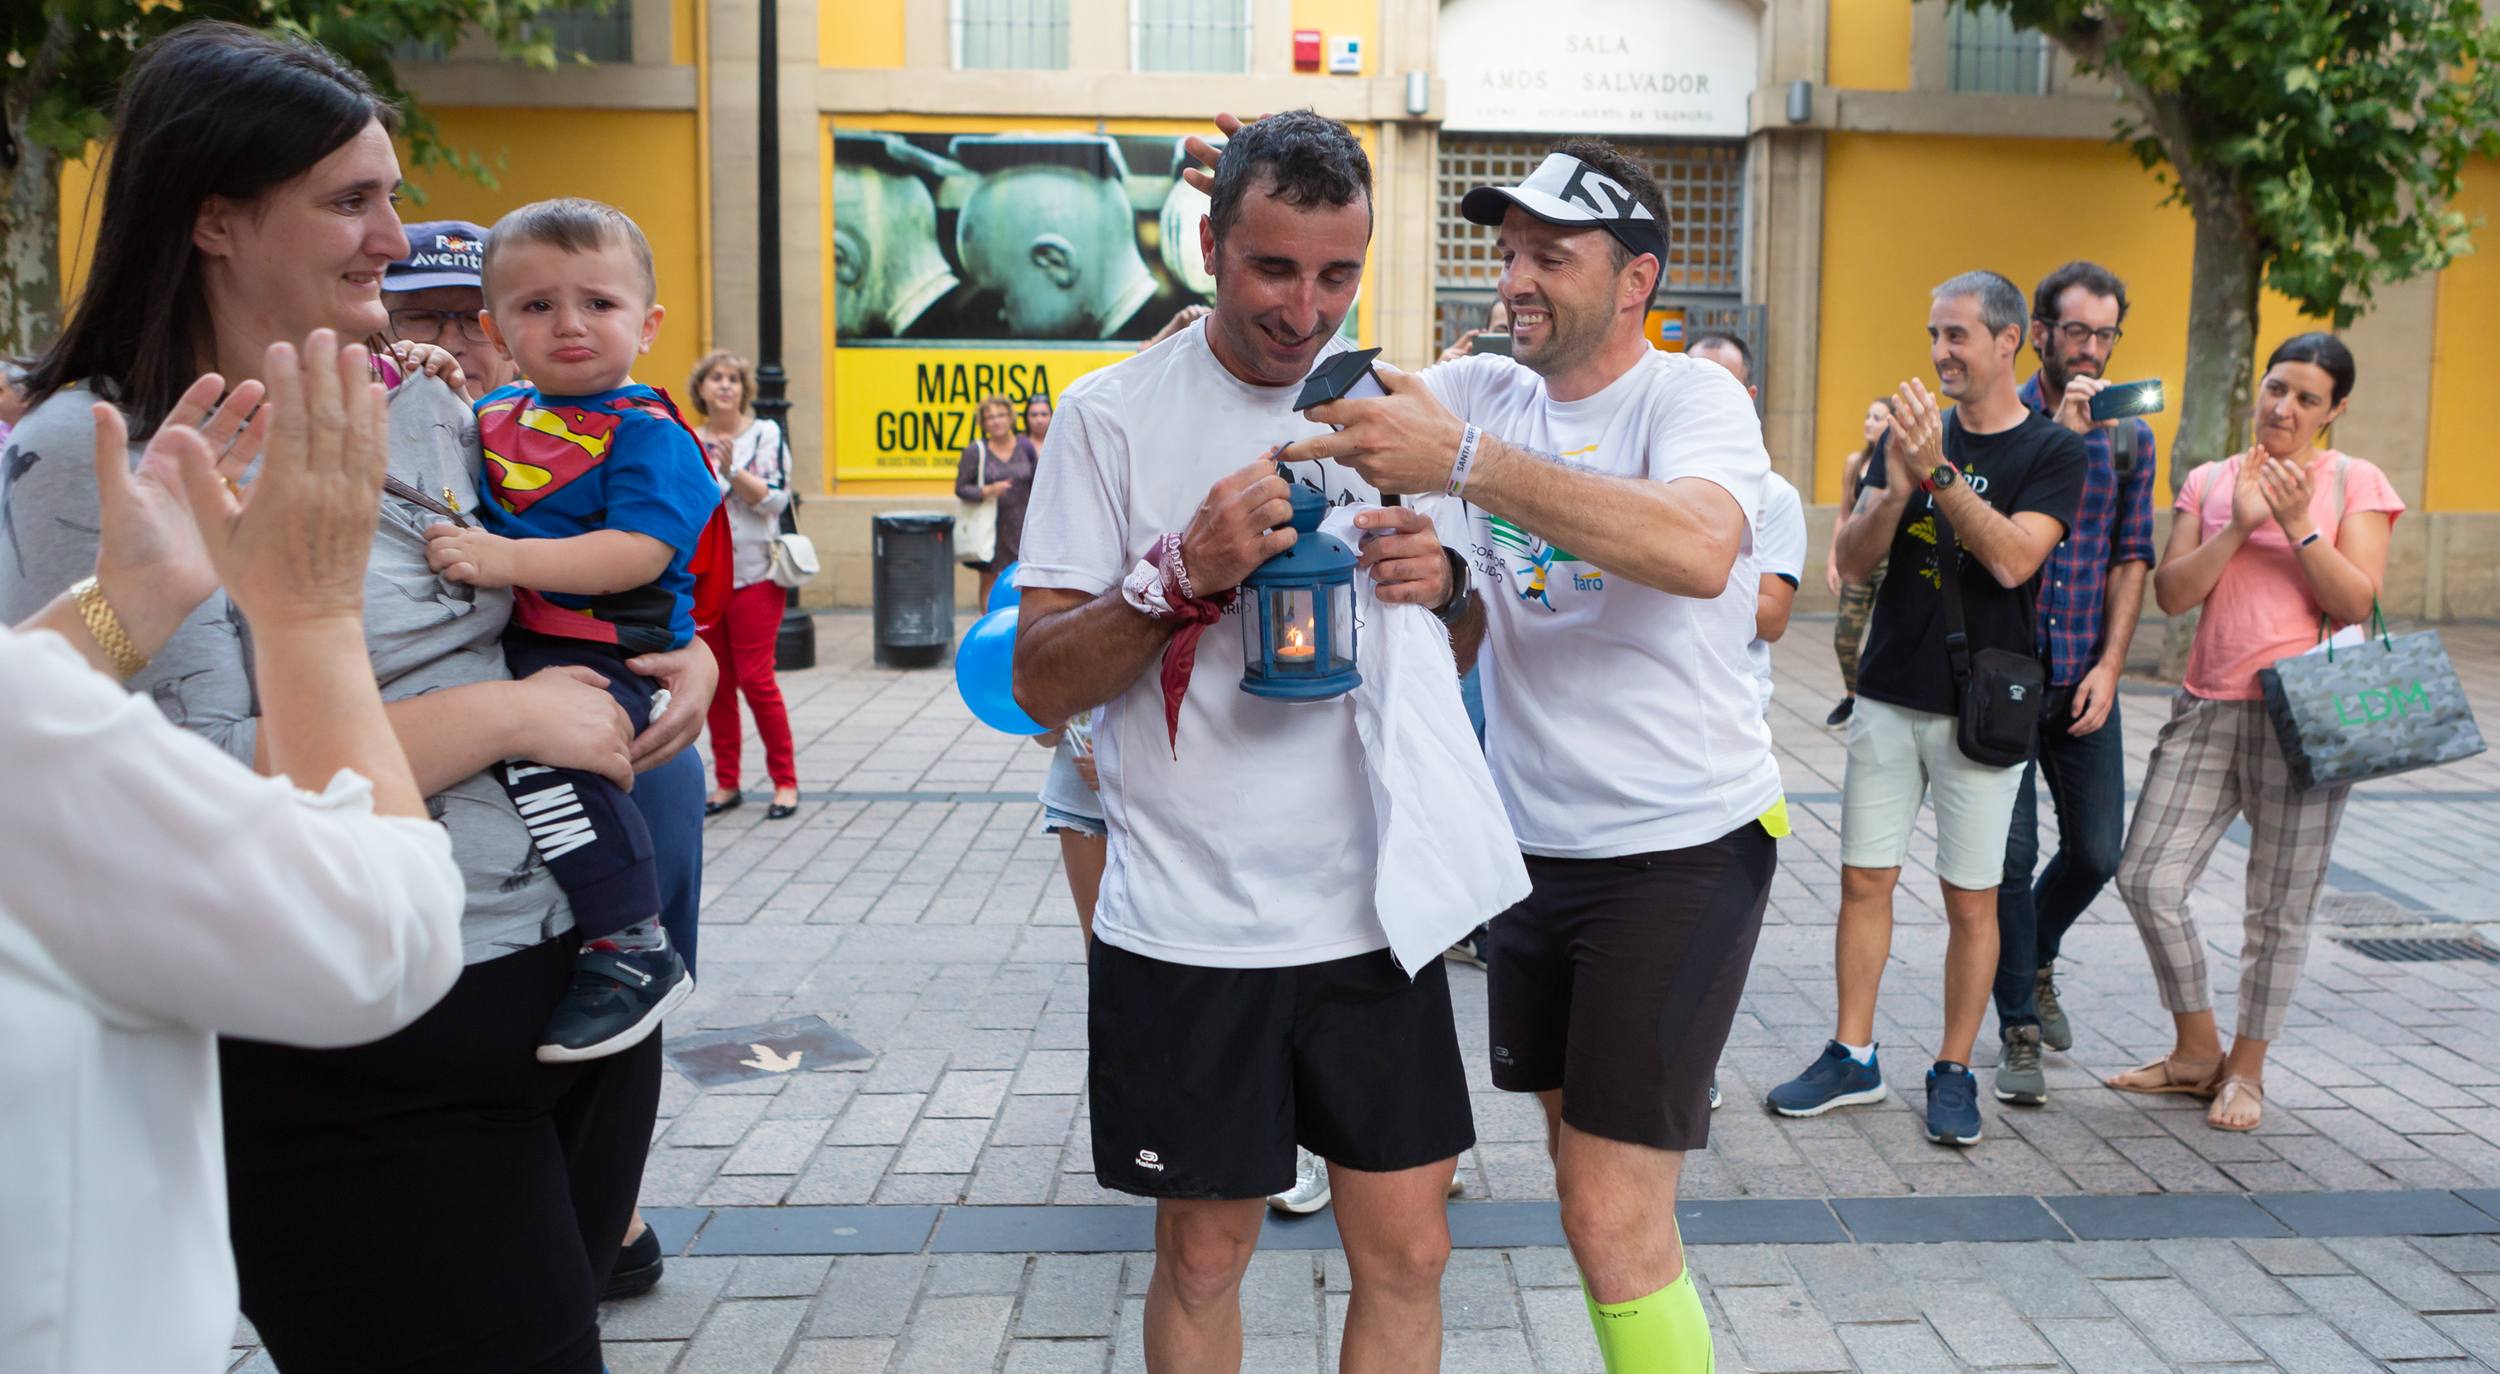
(1664, 1333)
(1597, 1325)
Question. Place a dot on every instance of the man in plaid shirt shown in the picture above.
(2091, 591)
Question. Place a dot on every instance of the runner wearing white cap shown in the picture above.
(1606, 491)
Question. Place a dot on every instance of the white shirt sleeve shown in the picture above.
(1704, 426)
(1456, 383)
(1076, 521)
(1779, 535)
(175, 886)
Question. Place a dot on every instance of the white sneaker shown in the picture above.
(1715, 1099)
(1309, 1192)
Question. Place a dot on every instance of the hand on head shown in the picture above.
(1203, 151)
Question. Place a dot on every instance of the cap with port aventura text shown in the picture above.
(1566, 191)
(446, 252)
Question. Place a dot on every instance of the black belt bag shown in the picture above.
(1998, 693)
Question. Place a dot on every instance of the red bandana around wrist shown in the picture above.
(1195, 613)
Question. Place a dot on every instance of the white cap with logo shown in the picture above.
(1566, 191)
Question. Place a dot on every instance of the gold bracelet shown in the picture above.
(98, 615)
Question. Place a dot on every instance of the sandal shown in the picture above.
(2223, 1091)
(2161, 1077)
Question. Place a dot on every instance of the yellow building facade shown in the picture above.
(1827, 162)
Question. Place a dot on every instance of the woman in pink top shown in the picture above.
(2269, 544)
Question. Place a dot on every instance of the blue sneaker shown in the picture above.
(1834, 1080)
(1952, 1105)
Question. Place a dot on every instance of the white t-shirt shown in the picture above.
(1255, 847)
(1779, 549)
(1619, 719)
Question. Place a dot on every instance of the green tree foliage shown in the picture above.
(2318, 143)
(62, 60)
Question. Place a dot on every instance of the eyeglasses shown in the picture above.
(426, 326)
(2075, 332)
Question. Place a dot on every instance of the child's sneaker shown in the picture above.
(617, 997)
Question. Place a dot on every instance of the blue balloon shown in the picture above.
(1003, 593)
(985, 664)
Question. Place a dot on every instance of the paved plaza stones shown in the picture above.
(931, 1207)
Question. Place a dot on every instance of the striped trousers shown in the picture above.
(2218, 761)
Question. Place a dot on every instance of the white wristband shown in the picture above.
(1465, 460)
(1143, 589)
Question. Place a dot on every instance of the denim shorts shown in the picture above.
(1055, 820)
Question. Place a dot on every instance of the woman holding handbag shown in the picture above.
(753, 461)
(997, 467)
(2268, 544)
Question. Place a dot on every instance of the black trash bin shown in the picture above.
(912, 579)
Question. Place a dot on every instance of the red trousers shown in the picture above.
(743, 642)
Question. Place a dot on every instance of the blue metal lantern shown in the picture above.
(1298, 635)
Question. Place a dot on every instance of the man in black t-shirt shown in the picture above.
(1980, 495)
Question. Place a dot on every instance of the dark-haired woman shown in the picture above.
(2266, 543)
(249, 199)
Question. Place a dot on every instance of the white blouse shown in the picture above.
(751, 528)
(155, 894)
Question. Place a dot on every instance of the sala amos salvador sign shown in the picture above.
(1642, 67)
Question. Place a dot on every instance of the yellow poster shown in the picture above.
(970, 257)
(909, 412)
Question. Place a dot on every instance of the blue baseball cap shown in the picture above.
(443, 252)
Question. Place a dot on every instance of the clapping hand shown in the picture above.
(2250, 507)
(292, 545)
(150, 562)
(1917, 446)
(2285, 484)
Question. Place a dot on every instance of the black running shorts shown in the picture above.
(1617, 979)
(1204, 1079)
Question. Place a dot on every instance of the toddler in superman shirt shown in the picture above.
(597, 500)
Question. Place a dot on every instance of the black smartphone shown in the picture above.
(1490, 343)
(2125, 399)
(1348, 376)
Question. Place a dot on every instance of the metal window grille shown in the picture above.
(1011, 33)
(1992, 54)
(600, 35)
(1704, 185)
(1189, 35)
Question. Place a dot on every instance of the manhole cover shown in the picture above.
(2362, 909)
(2436, 950)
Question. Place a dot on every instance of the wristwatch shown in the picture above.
(1944, 474)
(97, 614)
(1449, 611)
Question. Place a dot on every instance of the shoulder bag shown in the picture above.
(1998, 693)
(791, 561)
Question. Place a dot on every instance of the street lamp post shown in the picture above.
(795, 646)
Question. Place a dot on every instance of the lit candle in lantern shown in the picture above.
(1297, 638)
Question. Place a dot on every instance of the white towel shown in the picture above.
(1448, 859)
